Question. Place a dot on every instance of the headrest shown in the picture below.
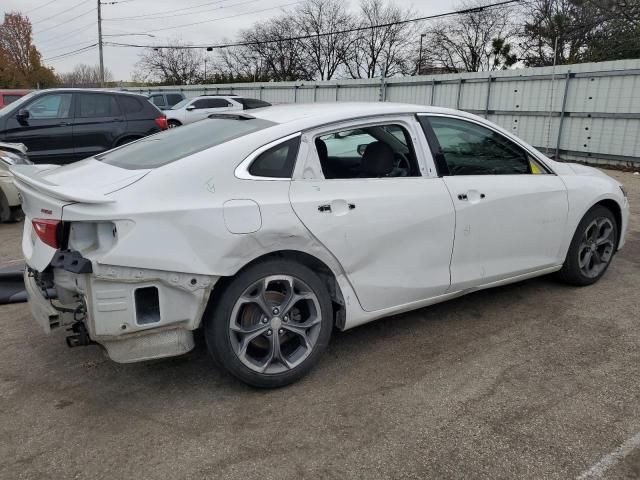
(377, 160)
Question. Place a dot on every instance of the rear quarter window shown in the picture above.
(177, 143)
(131, 104)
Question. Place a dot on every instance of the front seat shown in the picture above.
(377, 160)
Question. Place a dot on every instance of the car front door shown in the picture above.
(203, 107)
(99, 123)
(390, 228)
(511, 211)
(45, 127)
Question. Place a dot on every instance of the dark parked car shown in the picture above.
(165, 100)
(63, 125)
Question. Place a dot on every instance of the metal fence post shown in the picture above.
(486, 110)
(433, 92)
(295, 94)
(260, 94)
(460, 82)
(315, 93)
(382, 94)
(564, 106)
(337, 87)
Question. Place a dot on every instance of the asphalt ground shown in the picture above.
(532, 380)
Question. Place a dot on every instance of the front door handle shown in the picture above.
(324, 208)
(64, 124)
(472, 195)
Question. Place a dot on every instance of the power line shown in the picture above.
(65, 22)
(71, 53)
(168, 11)
(36, 22)
(40, 6)
(324, 34)
(68, 34)
(187, 13)
(222, 18)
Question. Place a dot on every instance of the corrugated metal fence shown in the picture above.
(582, 112)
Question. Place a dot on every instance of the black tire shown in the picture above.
(571, 272)
(173, 123)
(126, 140)
(218, 333)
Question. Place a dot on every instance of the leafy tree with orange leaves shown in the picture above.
(20, 61)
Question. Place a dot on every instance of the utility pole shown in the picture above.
(422, 35)
(100, 45)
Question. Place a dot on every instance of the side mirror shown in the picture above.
(22, 114)
(362, 148)
(190, 107)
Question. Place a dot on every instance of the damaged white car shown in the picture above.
(269, 229)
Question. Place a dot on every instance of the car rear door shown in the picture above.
(392, 235)
(47, 132)
(511, 212)
(99, 122)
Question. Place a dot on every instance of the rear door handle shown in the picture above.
(64, 124)
(324, 208)
(474, 195)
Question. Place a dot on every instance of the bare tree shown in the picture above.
(281, 56)
(384, 48)
(475, 40)
(84, 75)
(326, 52)
(178, 65)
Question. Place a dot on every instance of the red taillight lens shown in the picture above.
(161, 122)
(47, 231)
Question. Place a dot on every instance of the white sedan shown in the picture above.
(192, 110)
(270, 229)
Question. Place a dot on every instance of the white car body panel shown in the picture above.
(186, 115)
(183, 226)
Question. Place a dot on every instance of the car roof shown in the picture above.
(312, 114)
(91, 90)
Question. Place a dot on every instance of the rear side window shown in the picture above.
(211, 103)
(131, 104)
(10, 98)
(173, 98)
(176, 143)
(278, 161)
(94, 105)
(158, 100)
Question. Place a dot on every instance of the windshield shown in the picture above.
(176, 143)
(181, 103)
(17, 103)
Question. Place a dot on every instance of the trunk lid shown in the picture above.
(45, 194)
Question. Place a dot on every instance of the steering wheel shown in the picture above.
(402, 162)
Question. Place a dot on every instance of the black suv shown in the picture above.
(63, 125)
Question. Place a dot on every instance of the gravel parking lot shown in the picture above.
(533, 380)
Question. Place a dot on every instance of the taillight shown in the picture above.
(161, 122)
(47, 231)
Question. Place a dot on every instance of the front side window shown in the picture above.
(471, 149)
(278, 161)
(96, 105)
(55, 105)
(367, 152)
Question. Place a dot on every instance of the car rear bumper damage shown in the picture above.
(135, 314)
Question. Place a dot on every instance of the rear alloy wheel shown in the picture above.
(592, 248)
(270, 324)
(173, 124)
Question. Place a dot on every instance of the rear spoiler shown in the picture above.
(28, 176)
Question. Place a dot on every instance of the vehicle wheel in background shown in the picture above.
(173, 123)
(592, 247)
(270, 323)
(16, 215)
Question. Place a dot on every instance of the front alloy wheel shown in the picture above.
(270, 323)
(592, 247)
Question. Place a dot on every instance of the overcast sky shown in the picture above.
(61, 26)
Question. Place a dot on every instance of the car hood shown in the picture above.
(579, 169)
